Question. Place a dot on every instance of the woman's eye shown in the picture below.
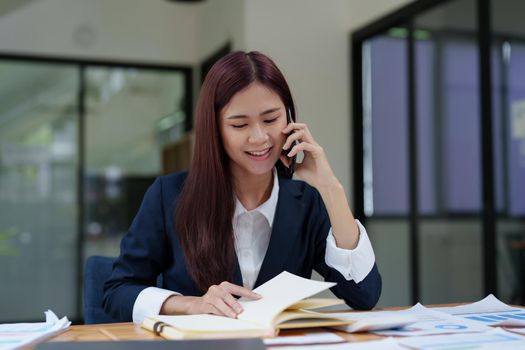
(239, 126)
(269, 121)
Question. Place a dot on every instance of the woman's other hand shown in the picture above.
(218, 300)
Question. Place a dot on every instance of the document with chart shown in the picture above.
(384, 344)
(430, 321)
(495, 339)
(490, 311)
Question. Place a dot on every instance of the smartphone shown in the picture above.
(292, 160)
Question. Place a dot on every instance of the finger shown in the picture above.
(233, 304)
(240, 291)
(225, 295)
(293, 126)
(212, 309)
(295, 137)
(223, 308)
(222, 292)
(304, 147)
(213, 290)
(208, 308)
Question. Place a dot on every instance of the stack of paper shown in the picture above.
(495, 339)
(305, 339)
(383, 344)
(471, 326)
(15, 335)
(477, 317)
(430, 322)
(371, 321)
(489, 311)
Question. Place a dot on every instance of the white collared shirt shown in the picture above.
(252, 231)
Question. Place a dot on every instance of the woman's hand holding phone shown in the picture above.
(314, 168)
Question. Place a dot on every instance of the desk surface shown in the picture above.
(130, 331)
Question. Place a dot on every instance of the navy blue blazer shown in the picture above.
(297, 245)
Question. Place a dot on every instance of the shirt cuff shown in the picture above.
(149, 301)
(354, 264)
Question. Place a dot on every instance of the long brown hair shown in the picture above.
(205, 206)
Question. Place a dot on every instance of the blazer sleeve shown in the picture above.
(360, 296)
(143, 256)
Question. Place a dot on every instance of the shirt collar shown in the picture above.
(267, 209)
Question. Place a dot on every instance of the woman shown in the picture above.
(235, 220)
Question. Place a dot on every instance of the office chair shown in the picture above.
(97, 271)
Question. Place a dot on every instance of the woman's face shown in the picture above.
(251, 127)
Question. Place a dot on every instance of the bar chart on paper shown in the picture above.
(489, 311)
(490, 317)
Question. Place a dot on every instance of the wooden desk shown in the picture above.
(105, 332)
(131, 331)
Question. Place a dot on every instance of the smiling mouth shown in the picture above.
(260, 153)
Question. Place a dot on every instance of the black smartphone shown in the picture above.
(292, 160)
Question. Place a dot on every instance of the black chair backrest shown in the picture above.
(97, 271)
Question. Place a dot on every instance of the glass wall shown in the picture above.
(119, 126)
(508, 42)
(449, 154)
(422, 160)
(38, 190)
(386, 159)
(131, 116)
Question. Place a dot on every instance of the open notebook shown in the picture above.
(281, 306)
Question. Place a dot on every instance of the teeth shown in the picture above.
(261, 153)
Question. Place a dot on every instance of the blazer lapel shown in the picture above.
(286, 227)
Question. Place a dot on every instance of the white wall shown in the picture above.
(219, 22)
(153, 30)
(309, 40)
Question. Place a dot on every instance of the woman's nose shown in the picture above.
(258, 135)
